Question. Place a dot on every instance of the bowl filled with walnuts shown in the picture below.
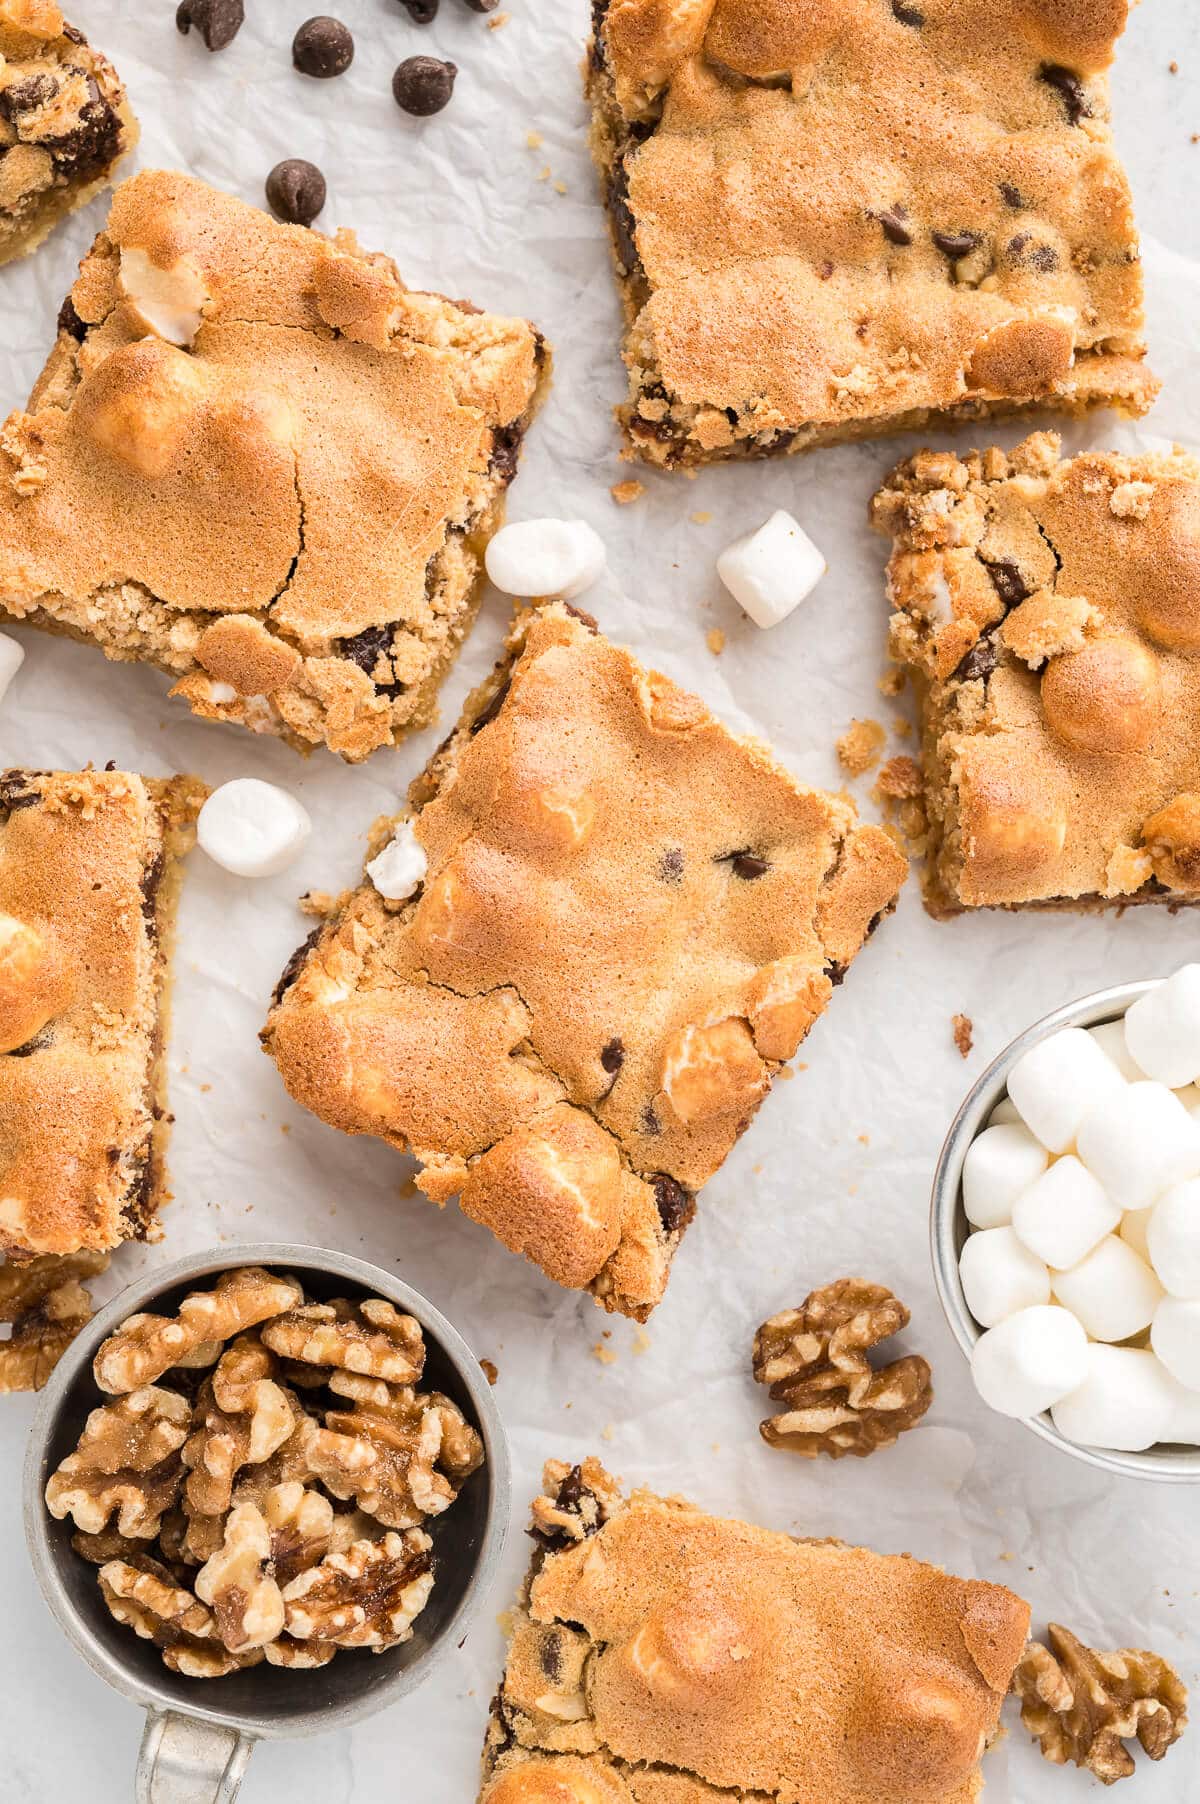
(265, 1490)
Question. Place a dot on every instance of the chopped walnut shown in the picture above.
(815, 1361)
(300, 1655)
(146, 1346)
(371, 1337)
(301, 1523)
(149, 1585)
(365, 1597)
(47, 1305)
(243, 1417)
(127, 1464)
(246, 1601)
(1082, 1705)
(384, 1452)
(963, 1029)
(207, 1659)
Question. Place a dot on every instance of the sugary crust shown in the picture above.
(221, 380)
(629, 920)
(88, 884)
(836, 220)
(1050, 613)
(670, 1657)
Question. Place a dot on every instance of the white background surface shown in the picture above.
(834, 1177)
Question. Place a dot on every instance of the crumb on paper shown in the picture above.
(1173, 66)
(317, 902)
(714, 638)
(1006, 1555)
(701, 518)
(858, 748)
(497, 20)
(607, 1432)
(560, 187)
(964, 1033)
(892, 680)
(900, 778)
(285, 1127)
(785, 1074)
(204, 1089)
(864, 1139)
(533, 140)
(543, 174)
(641, 1341)
(623, 493)
(490, 1370)
(606, 1355)
(902, 727)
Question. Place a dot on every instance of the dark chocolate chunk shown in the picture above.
(979, 662)
(670, 865)
(94, 142)
(650, 1124)
(612, 1057)
(26, 96)
(624, 226)
(896, 228)
(69, 321)
(16, 792)
(506, 449)
(749, 866)
(907, 15)
(422, 85)
(1011, 195)
(582, 615)
(296, 191)
(675, 1205)
(366, 648)
(291, 970)
(421, 12)
(323, 47)
(1068, 86)
(217, 21)
(835, 973)
(152, 877)
(493, 708)
(550, 1655)
(1008, 582)
(955, 244)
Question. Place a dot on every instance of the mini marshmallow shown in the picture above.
(252, 828)
(1058, 1081)
(1184, 1424)
(1162, 1029)
(12, 656)
(1173, 1239)
(1110, 1038)
(1029, 1361)
(1112, 1291)
(999, 1164)
(546, 557)
(771, 571)
(400, 868)
(1132, 1230)
(1064, 1214)
(1000, 1276)
(1139, 1142)
(1175, 1337)
(1005, 1113)
(1126, 1401)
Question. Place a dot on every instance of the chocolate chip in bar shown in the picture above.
(421, 12)
(422, 85)
(217, 21)
(323, 47)
(296, 191)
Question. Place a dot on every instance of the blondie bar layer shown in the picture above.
(663, 1656)
(1049, 611)
(258, 461)
(65, 122)
(831, 221)
(629, 921)
(89, 874)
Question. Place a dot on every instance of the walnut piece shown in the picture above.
(814, 1359)
(1082, 1705)
(146, 1346)
(365, 1597)
(47, 1305)
(145, 1582)
(371, 1337)
(301, 1524)
(386, 1450)
(246, 1601)
(127, 1464)
(242, 1417)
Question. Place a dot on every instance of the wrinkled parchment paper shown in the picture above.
(834, 1176)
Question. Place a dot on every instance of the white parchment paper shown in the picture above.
(834, 1176)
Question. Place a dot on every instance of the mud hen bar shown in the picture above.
(832, 221)
(258, 461)
(629, 921)
(89, 875)
(64, 123)
(663, 1656)
(1049, 612)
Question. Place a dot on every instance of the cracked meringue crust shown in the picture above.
(65, 123)
(629, 921)
(1049, 612)
(839, 220)
(89, 878)
(258, 461)
(663, 1656)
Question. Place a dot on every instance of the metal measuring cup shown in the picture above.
(200, 1733)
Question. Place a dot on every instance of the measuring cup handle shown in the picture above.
(185, 1761)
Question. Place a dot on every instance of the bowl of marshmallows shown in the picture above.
(1066, 1229)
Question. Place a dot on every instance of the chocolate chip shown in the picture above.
(16, 792)
(896, 228)
(152, 877)
(217, 21)
(291, 970)
(979, 662)
(506, 449)
(745, 864)
(1044, 257)
(1008, 582)
(1068, 86)
(323, 47)
(612, 1057)
(907, 15)
(493, 708)
(955, 244)
(422, 85)
(570, 1491)
(39, 1042)
(649, 1123)
(1011, 195)
(93, 143)
(69, 321)
(675, 1205)
(624, 226)
(421, 12)
(835, 973)
(296, 191)
(482, 6)
(670, 865)
(582, 615)
(366, 648)
(550, 1656)
(26, 96)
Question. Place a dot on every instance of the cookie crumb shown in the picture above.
(607, 1432)
(900, 778)
(317, 902)
(714, 638)
(859, 746)
(641, 1341)
(533, 140)
(700, 519)
(623, 493)
(490, 1370)
(497, 20)
(964, 1034)
(543, 174)
(560, 187)
(892, 680)
(605, 1355)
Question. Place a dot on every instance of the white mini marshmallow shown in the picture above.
(1029, 1361)
(1004, 1114)
(1000, 1163)
(398, 870)
(1138, 1143)
(1112, 1291)
(1175, 1337)
(1173, 1239)
(1110, 1038)
(1000, 1276)
(770, 571)
(1064, 1214)
(1184, 1424)
(1132, 1230)
(1058, 1081)
(1162, 1029)
(1126, 1401)
(252, 828)
(12, 656)
(546, 557)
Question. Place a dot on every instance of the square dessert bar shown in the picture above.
(663, 1656)
(628, 921)
(89, 874)
(258, 461)
(65, 122)
(1049, 612)
(840, 219)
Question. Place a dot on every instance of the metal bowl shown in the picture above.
(200, 1733)
(948, 1229)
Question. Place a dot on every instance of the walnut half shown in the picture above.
(814, 1359)
(1082, 1705)
(47, 1305)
